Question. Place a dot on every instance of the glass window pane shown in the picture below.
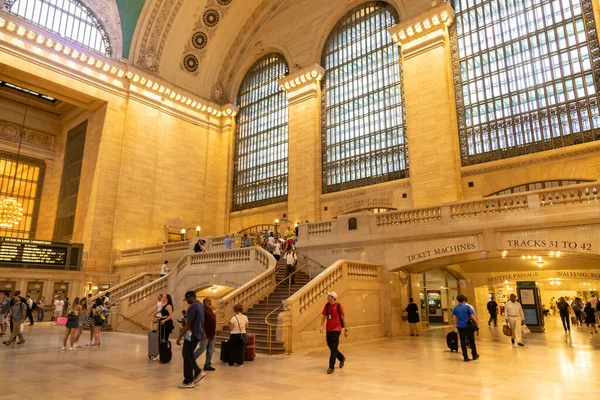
(541, 76)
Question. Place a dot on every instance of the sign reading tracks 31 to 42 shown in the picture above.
(568, 240)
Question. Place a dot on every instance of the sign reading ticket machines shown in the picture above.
(529, 296)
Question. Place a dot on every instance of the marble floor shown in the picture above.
(552, 365)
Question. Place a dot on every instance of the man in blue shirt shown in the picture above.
(461, 314)
(228, 242)
(194, 333)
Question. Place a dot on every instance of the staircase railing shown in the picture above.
(300, 306)
(124, 287)
(118, 315)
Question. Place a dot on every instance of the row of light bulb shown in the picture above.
(113, 70)
(436, 20)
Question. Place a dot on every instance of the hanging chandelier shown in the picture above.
(11, 211)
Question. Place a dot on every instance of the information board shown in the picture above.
(31, 251)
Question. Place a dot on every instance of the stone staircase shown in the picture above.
(257, 313)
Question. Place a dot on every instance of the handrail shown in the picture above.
(119, 286)
(311, 259)
(266, 292)
(134, 322)
(277, 325)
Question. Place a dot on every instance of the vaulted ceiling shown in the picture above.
(207, 46)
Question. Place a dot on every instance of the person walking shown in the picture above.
(291, 260)
(164, 270)
(590, 317)
(193, 330)
(515, 319)
(16, 296)
(4, 310)
(462, 314)
(277, 250)
(208, 343)
(72, 326)
(29, 303)
(238, 325)
(58, 307)
(413, 317)
(333, 319)
(577, 307)
(17, 315)
(41, 304)
(492, 308)
(563, 310)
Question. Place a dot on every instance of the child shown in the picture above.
(590, 317)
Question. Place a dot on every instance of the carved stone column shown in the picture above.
(304, 147)
(432, 131)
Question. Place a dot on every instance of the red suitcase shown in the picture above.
(250, 348)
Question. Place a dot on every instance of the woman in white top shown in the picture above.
(277, 251)
(238, 325)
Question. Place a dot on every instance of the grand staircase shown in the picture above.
(257, 314)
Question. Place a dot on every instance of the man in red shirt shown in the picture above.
(334, 316)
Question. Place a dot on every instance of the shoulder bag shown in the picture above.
(244, 335)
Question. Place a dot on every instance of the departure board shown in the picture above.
(31, 251)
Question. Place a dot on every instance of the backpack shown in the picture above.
(337, 306)
(563, 306)
(104, 315)
(34, 306)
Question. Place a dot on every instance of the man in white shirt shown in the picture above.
(58, 307)
(277, 251)
(594, 302)
(515, 319)
(164, 270)
(291, 260)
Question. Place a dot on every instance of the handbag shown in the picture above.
(61, 321)
(526, 330)
(506, 330)
(472, 325)
(244, 335)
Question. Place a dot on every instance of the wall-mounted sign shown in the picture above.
(442, 251)
(29, 251)
(348, 250)
(585, 240)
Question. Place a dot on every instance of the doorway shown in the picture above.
(437, 294)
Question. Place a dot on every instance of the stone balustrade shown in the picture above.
(490, 205)
(127, 286)
(576, 194)
(409, 216)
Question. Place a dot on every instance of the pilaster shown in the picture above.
(304, 142)
(430, 109)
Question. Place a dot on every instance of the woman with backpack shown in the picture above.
(98, 319)
(72, 325)
(577, 307)
(590, 317)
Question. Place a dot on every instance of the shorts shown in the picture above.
(3, 319)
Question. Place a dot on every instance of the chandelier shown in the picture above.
(11, 211)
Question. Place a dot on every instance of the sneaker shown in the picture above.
(342, 363)
(89, 344)
(184, 385)
(21, 342)
(72, 349)
(521, 345)
(64, 348)
(512, 340)
(209, 368)
(199, 377)
(99, 345)
(467, 359)
(475, 357)
(330, 371)
(7, 343)
(156, 358)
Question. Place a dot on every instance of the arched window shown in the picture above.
(68, 18)
(525, 76)
(261, 145)
(363, 128)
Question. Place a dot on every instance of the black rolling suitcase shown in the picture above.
(164, 348)
(452, 341)
(225, 351)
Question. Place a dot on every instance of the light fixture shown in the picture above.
(183, 231)
(94, 287)
(276, 220)
(214, 288)
(198, 229)
(11, 211)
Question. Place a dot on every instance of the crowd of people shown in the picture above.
(574, 312)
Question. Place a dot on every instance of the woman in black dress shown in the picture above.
(165, 323)
(413, 317)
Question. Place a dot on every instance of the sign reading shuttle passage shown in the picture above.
(31, 251)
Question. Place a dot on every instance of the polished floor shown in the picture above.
(552, 365)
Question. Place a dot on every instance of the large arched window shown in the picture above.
(525, 76)
(363, 128)
(68, 18)
(261, 145)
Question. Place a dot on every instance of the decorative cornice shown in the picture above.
(425, 31)
(478, 170)
(351, 193)
(302, 84)
(111, 75)
(11, 132)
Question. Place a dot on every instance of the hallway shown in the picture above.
(551, 366)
